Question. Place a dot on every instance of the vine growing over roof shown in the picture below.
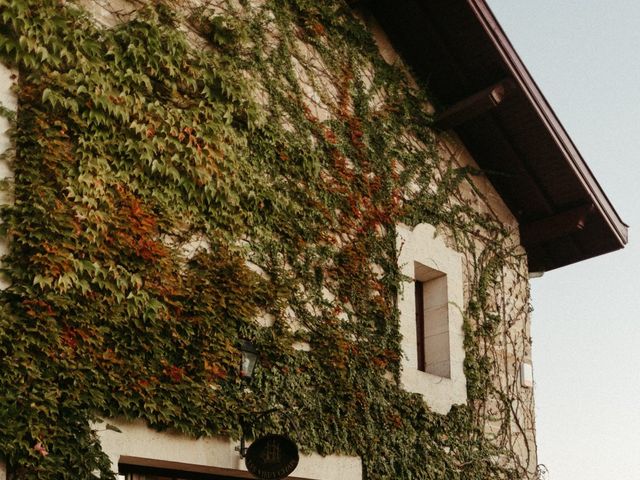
(189, 173)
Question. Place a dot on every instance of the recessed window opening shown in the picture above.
(432, 321)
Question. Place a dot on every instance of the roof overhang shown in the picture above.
(484, 93)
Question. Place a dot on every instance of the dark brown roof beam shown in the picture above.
(475, 105)
(556, 226)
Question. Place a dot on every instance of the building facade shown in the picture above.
(361, 189)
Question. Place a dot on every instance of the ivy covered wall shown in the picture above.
(192, 173)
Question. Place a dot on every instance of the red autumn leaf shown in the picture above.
(38, 447)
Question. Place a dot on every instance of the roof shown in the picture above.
(484, 93)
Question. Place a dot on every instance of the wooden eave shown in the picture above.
(484, 93)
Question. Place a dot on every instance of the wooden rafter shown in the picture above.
(556, 226)
(475, 105)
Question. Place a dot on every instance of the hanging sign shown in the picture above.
(272, 457)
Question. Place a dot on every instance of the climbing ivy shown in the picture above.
(192, 173)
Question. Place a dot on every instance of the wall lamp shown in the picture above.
(248, 359)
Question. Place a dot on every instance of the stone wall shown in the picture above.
(510, 298)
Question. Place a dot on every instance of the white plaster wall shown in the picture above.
(7, 100)
(137, 440)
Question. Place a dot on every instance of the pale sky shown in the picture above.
(585, 57)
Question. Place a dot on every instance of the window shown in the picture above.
(432, 321)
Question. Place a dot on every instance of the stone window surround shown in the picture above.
(421, 245)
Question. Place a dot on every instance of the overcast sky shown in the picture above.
(585, 57)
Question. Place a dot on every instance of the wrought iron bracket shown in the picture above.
(242, 449)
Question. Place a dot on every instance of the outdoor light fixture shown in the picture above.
(249, 358)
(270, 456)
